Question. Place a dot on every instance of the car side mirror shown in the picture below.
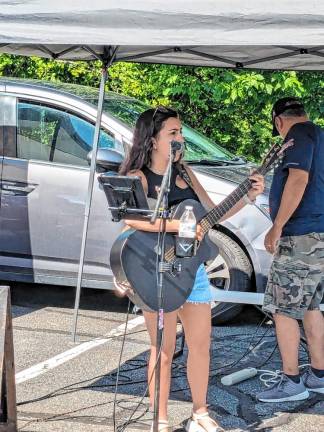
(107, 159)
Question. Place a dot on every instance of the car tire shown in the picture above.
(230, 270)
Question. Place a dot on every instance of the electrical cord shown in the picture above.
(268, 377)
(56, 417)
(237, 361)
(178, 368)
(274, 375)
(130, 419)
(119, 363)
(69, 389)
(230, 366)
(248, 350)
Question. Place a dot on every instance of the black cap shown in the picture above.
(281, 106)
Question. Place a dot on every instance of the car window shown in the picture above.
(198, 146)
(52, 135)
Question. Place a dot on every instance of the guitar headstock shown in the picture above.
(275, 153)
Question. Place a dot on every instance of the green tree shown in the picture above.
(230, 106)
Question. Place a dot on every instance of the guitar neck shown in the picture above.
(224, 206)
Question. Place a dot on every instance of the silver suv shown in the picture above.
(46, 136)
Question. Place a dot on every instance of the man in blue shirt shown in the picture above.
(296, 286)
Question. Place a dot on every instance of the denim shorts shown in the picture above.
(201, 291)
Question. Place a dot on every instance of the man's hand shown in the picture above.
(272, 238)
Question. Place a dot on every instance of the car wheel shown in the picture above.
(231, 270)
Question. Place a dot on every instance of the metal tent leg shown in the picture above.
(89, 199)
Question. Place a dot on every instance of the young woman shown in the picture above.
(148, 158)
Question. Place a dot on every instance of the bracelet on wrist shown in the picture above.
(247, 200)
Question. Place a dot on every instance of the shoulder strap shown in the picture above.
(184, 175)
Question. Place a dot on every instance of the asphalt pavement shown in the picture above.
(70, 386)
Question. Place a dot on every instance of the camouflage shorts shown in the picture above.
(296, 281)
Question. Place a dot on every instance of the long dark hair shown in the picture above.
(148, 125)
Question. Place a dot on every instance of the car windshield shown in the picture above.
(198, 147)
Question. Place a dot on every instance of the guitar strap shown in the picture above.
(185, 176)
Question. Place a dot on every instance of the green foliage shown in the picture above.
(230, 106)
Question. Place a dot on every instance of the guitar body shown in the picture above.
(133, 259)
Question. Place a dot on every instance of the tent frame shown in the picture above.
(106, 63)
(110, 51)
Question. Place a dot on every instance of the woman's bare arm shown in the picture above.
(171, 225)
(257, 188)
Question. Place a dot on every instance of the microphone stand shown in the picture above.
(162, 266)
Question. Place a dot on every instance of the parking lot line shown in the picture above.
(65, 356)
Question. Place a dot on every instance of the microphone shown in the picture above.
(176, 146)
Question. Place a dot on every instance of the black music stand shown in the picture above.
(125, 196)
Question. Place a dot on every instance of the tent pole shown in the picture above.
(89, 197)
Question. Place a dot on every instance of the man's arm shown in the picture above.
(292, 194)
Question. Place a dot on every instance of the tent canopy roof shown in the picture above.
(252, 34)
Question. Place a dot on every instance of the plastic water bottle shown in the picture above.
(188, 223)
(186, 240)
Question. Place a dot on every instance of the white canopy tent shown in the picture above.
(255, 34)
(220, 33)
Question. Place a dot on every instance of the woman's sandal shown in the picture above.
(163, 426)
(193, 424)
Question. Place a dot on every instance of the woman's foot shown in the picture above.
(202, 422)
(163, 426)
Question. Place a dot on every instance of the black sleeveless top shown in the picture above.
(176, 194)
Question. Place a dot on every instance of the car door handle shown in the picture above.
(15, 188)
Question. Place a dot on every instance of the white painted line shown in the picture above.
(59, 359)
